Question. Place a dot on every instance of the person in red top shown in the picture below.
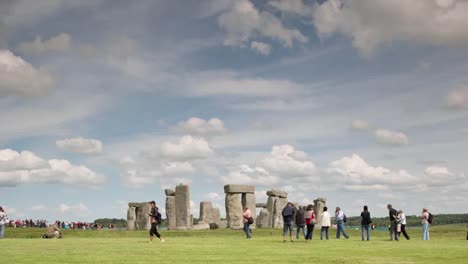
(309, 216)
(247, 214)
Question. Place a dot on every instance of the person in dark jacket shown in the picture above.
(365, 223)
(155, 218)
(288, 221)
(300, 222)
(392, 213)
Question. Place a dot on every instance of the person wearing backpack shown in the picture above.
(365, 223)
(247, 220)
(155, 218)
(425, 221)
(340, 221)
(300, 222)
(288, 221)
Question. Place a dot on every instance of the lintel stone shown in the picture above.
(277, 193)
(234, 188)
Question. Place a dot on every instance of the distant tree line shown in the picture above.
(413, 220)
(105, 222)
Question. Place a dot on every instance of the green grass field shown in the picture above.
(448, 244)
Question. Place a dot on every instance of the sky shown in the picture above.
(105, 102)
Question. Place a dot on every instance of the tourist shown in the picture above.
(393, 222)
(246, 215)
(3, 221)
(425, 223)
(309, 216)
(288, 221)
(365, 223)
(326, 223)
(300, 222)
(402, 217)
(53, 232)
(155, 221)
(339, 215)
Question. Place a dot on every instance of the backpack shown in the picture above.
(430, 218)
(345, 219)
(250, 220)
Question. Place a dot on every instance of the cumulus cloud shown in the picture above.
(25, 168)
(371, 24)
(21, 78)
(359, 125)
(391, 138)
(293, 6)
(186, 148)
(243, 21)
(356, 174)
(437, 175)
(245, 174)
(59, 43)
(136, 179)
(260, 47)
(457, 99)
(285, 160)
(202, 127)
(80, 145)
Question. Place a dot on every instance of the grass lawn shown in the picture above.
(448, 244)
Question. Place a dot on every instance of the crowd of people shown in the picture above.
(305, 219)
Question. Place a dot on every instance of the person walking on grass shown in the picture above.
(365, 223)
(340, 221)
(247, 214)
(300, 222)
(326, 223)
(155, 221)
(392, 213)
(3, 221)
(288, 221)
(309, 217)
(425, 224)
(403, 225)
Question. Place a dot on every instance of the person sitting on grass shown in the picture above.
(53, 232)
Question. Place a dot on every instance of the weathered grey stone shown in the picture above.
(131, 218)
(319, 204)
(263, 218)
(216, 215)
(270, 207)
(248, 199)
(277, 219)
(233, 210)
(206, 213)
(201, 226)
(214, 225)
(223, 224)
(182, 206)
(277, 193)
(138, 204)
(234, 188)
(171, 212)
(142, 219)
(169, 192)
(261, 205)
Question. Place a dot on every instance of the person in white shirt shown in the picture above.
(3, 221)
(340, 221)
(403, 224)
(326, 223)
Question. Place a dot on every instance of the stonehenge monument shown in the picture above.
(178, 208)
(319, 204)
(137, 216)
(238, 196)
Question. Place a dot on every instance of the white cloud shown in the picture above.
(178, 168)
(285, 160)
(25, 168)
(441, 176)
(392, 138)
(212, 196)
(260, 47)
(293, 6)
(59, 43)
(186, 148)
(359, 125)
(75, 210)
(80, 145)
(198, 126)
(373, 23)
(21, 78)
(137, 179)
(244, 174)
(437, 170)
(457, 99)
(243, 21)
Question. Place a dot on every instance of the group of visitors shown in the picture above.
(305, 219)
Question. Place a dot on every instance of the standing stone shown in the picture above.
(277, 219)
(319, 204)
(263, 218)
(216, 215)
(248, 199)
(206, 213)
(142, 219)
(169, 192)
(233, 211)
(131, 218)
(270, 207)
(182, 206)
(171, 212)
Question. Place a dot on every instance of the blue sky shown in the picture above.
(105, 102)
